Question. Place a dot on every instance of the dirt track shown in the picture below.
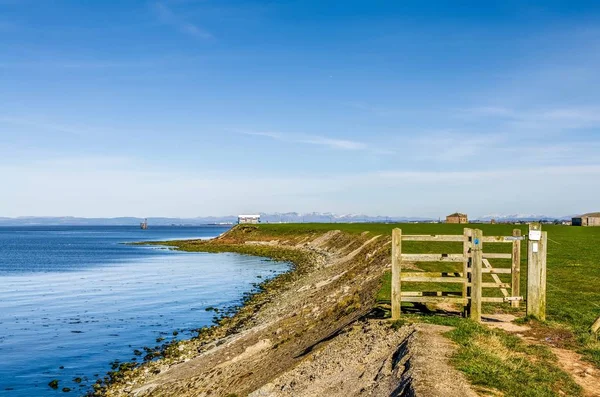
(370, 359)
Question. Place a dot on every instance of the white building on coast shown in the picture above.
(248, 219)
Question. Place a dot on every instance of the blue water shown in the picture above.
(73, 299)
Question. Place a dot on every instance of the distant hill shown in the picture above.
(287, 217)
(522, 218)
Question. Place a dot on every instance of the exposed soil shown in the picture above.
(367, 359)
(309, 336)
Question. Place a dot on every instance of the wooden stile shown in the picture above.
(396, 273)
(475, 264)
(516, 268)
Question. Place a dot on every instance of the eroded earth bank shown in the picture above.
(310, 332)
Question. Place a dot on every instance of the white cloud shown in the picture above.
(341, 144)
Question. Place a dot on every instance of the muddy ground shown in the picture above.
(313, 335)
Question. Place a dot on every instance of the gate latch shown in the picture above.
(512, 298)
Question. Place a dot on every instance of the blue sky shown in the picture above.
(187, 108)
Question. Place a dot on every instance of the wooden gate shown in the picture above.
(475, 264)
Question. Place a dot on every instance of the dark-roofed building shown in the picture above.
(457, 217)
(591, 219)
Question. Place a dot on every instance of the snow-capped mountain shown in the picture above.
(522, 217)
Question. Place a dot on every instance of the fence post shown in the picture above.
(476, 274)
(396, 270)
(468, 233)
(536, 271)
(516, 268)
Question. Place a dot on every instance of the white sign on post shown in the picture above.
(535, 235)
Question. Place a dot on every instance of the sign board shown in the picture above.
(535, 235)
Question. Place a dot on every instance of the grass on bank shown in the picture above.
(494, 359)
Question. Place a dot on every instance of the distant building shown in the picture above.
(591, 219)
(457, 217)
(248, 219)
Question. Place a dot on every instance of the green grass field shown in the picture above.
(573, 275)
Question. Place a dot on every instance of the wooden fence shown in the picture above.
(475, 263)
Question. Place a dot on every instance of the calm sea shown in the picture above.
(74, 299)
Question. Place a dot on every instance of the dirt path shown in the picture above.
(371, 359)
(431, 372)
(583, 372)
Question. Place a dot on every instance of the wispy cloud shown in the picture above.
(167, 16)
(340, 144)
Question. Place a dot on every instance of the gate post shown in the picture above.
(467, 265)
(396, 272)
(516, 268)
(476, 274)
(536, 271)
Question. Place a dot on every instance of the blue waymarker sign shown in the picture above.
(476, 241)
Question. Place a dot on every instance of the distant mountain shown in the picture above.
(323, 217)
(287, 217)
(522, 217)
